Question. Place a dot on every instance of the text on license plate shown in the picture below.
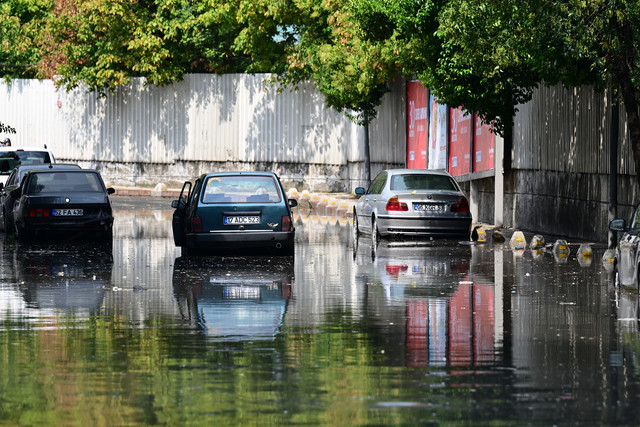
(430, 207)
(67, 212)
(242, 219)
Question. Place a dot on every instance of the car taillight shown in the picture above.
(39, 213)
(286, 223)
(461, 206)
(196, 224)
(393, 204)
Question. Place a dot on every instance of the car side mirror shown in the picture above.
(111, 190)
(360, 191)
(293, 203)
(15, 193)
(618, 224)
(174, 204)
(1, 186)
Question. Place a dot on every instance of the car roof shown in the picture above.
(232, 173)
(56, 170)
(48, 166)
(418, 171)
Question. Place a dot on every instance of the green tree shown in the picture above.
(319, 40)
(103, 43)
(489, 56)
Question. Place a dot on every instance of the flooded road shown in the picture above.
(415, 332)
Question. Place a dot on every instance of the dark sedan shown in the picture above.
(72, 203)
(234, 211)
(15, 179)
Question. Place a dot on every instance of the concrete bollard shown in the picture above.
(585, 255)
(537, 242)
(518, 241)
(561, 251)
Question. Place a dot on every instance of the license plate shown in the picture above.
(241, 292)
(242, 220)
(428, 207)
(67, 212)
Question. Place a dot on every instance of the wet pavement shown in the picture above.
(410, 332)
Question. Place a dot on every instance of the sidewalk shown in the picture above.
(323, 204)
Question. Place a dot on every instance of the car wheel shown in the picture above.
(21, 234)
(356, 228)
(375, 233)
(8, 226)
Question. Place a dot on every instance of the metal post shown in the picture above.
(613, 171)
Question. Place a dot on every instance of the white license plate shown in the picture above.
(428, 207)
(67, 212)
(241, 292)
(242, 219)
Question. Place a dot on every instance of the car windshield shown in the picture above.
(415, 181)
(55, 182)
(240, 189)
(10, 159)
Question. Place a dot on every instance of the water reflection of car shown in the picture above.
(414, 267)
(234, 211)
(72, 203)
(235, 298)
(410, 202)
(627, 262)
(7, 202)
(73, 278)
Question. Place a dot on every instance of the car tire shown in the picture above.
(289, 250)
(21, 234)
(375, 233)
(7, 225)
(355, 230)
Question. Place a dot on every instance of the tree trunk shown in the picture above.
(628, 93)
(623, 65)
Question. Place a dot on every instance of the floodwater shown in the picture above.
(416, 332)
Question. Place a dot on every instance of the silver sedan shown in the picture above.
(412, 202)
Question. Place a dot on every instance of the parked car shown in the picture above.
(234, 211)
(627, 262)
(15, 178)
(10, 157)
(412, 202)
(68, 202)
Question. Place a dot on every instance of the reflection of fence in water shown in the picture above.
(143, 258)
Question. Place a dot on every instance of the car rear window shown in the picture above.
(10, 159)
(240, 189)
(55, 182)
(422, 182)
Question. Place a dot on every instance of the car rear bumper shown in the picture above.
(39, 226)
(429, 226)
(241, 240)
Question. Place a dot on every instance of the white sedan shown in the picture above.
(412, 202)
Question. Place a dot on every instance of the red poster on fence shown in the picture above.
(460, 126)
(483, 144)
(417, 108)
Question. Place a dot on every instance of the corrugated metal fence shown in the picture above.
(202, 122)
(568, 130)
